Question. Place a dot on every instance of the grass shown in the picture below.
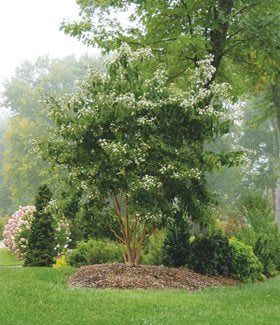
(7, 259)
(41, 296)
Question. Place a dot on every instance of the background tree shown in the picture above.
(22, 169)
(181, 32)
(259, 172)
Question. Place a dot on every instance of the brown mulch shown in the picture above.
(122, 276)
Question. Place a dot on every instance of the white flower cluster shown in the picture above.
(149, 216)
(220, 90)
(149, 182)
(113, 147)
(193, 173)
(132, 56)
(139, 154)
(146, 104)
(143, 120)
(127, 99)
(210, 111)
(141, 54)
(205, 70)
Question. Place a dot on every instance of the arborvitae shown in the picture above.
(176, 245)
(41, 243)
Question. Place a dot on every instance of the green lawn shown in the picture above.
(7, 259)
(41, 296)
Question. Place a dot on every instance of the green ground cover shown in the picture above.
(41, 296)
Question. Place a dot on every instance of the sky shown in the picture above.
(30, 28)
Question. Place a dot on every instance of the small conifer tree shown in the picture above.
(176, 245)
(41, 243)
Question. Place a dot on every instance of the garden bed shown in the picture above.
(121, 276)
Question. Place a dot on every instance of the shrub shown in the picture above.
(267, 250)
(210, 254)
(152, 252)
(176, 246)
(40, 250)
(247, 235)
(260, 217)
(60, 261)
(95, 252)
(258, 213)
(17, 231)
(245, 266)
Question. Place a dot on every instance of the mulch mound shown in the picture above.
(122, 276)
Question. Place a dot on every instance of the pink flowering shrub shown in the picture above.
(18, 228)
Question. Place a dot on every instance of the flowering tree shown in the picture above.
(135, 142)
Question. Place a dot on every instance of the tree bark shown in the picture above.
(218, 36)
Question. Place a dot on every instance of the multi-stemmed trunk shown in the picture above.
(133, 231)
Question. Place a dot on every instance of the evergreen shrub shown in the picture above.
(176, 246)
(152, 252)
(41, 244)
(210, 254)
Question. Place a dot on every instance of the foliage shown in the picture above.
(176, 246)
(245, 266)
(259, 216)
(95, 252)
(117, 140)
(40, 250)
(247, 235)
(3, 222)
(254, 225)
(267, 249)
(152, 252)
(210, 254)
(94, 221)
(258, 212)
(60, 261)
(234, 32)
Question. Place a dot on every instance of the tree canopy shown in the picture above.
(180, 32)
